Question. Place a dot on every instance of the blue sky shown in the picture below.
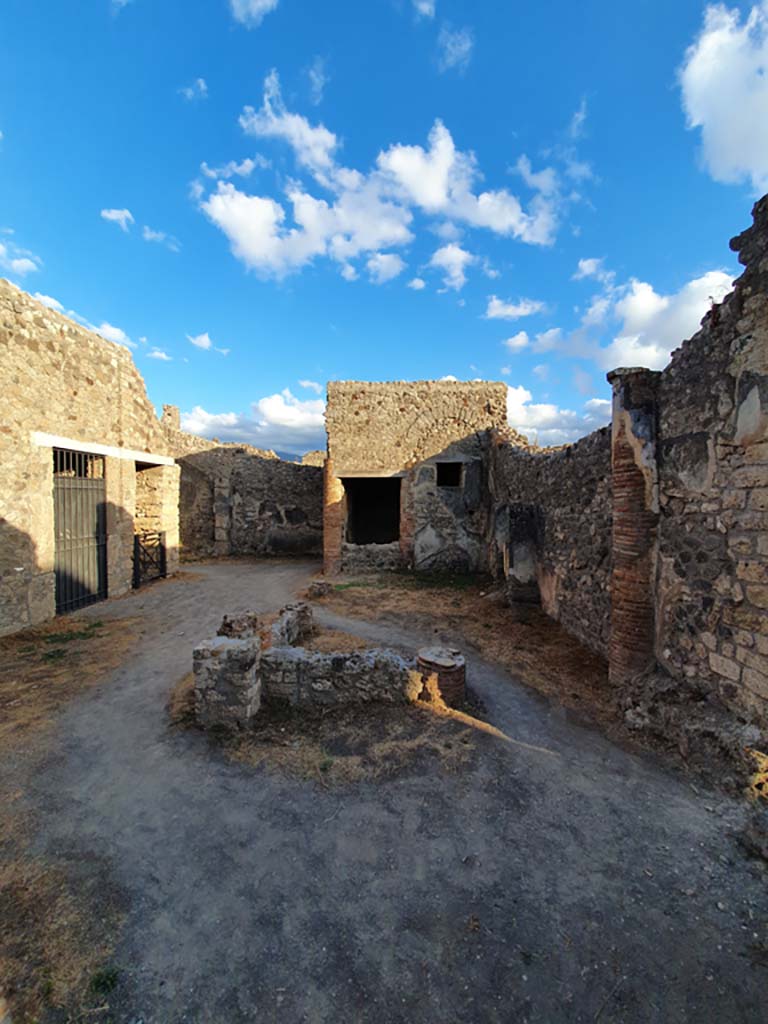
(260, 196)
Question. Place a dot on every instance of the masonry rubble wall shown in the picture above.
(241, 500)
(404, 429)
(552, 531)
(62, 380)
(711, 584)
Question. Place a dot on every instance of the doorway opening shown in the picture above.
(373, 509)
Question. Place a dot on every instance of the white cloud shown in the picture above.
(313, 145)
(500, 310)
(384, 266)
(279, 421)
(517, 342)
(417, 284)
(593, 268)
(112, 333)
(579, 119)
(545, 181)
(548, 424)
(122, 217)
(49, 301)
(725, 93)
(548, 340)
(197, 91)
(158, 353)
(311, 385)
(653, 325)
(318, 79)
(242, 169)
(366, 212)
(17, 261)
(452, 260)
(424, 8)
(149, 235)
(251, 13)
(200, 340)
(541, 371)
(454, 48)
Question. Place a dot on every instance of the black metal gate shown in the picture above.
(80, 525)
(148, 557)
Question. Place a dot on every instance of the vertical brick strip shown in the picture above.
(635, 518)
(334, 514)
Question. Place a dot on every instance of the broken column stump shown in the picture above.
(449, 666)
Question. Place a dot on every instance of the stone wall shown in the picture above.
(405, 430)
(711, 591)
(58, 379)
(552, 531)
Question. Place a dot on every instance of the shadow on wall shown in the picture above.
(235, 503)
(82, 571)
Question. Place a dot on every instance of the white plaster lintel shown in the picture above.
(43, 440)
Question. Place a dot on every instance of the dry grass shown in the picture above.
(345, 745)
(59, 916)
(332, 641)
(538, 651)
(59, 922)
(356, 744)
(43, 668)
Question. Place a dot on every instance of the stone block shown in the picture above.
(294, 624)
(227, 682)
(725, 667)
(242, 625)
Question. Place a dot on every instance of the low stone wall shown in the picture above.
(232, 672)
(553, 531)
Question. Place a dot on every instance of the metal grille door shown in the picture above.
(80, 523)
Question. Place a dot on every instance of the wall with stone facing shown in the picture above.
(403, 429)
(712, 573)
(60, 379)
(552, 530)
(238, 500)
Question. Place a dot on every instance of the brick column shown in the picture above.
(334, 517)
(635, 504)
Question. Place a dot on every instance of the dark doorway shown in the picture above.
(80, 523)
(373, 509)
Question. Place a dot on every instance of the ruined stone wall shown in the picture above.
(712, 571)
(276, 507)
(405, 429)
(60, 379)
(552, 531)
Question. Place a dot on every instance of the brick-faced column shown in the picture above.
(334, 517)
(635, 503)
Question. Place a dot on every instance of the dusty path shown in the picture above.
(575, 882)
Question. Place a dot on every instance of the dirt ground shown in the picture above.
(393, 873)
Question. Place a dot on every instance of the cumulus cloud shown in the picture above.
(548, 424)
(417, 284)
(161, 237)
(517, 342)
(122, 217)
(204, 342)
(49, 301)
(159, 354)
(452, 260)
(311, 385)
(318, 79)
(19, 262)
(279, 421)
(384, 266)
(498, 309)
(234, 168)
(653, 325)
(725, 93)
(251, 13)
(454, 48)
(198, 90)
(112, 333)
(366, 212)
(424, 8)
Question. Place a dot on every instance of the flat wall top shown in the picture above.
(381, 428)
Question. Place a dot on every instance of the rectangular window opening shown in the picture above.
(373, 509)
(449, 474)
